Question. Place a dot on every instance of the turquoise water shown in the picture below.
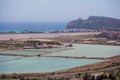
(46, 50)
(47, 64)
(78, 50)
(22, 52)
(32, 51)
(2, 58)
(90, 51)
(43, 64)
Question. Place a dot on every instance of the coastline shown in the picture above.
(108, 62)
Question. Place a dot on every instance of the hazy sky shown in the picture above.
(56, 10)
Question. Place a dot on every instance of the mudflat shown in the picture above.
(42, 35)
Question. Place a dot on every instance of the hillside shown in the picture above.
(95, 22)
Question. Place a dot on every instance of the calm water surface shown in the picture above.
(2, 58)
(90, 51)
(43, 64)
(46, 64)
(32, 51)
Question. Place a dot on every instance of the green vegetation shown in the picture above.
(9, 45)
(40, 42)
(20, 44)
(113, 75)
(107, 75)
(3, 76)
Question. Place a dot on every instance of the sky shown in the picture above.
(56, 10)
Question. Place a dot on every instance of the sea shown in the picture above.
(34, 27)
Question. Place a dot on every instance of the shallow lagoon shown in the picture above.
(3, 58)
(90, 51)
(32, 51)
(78, 50)
(41, 64)
(47, 64)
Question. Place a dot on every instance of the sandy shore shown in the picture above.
(42, 35)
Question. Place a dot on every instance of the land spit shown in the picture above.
(82, 57)
(44, 55)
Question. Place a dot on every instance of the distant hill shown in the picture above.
(95, 22)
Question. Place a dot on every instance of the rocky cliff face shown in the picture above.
(94, 22)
